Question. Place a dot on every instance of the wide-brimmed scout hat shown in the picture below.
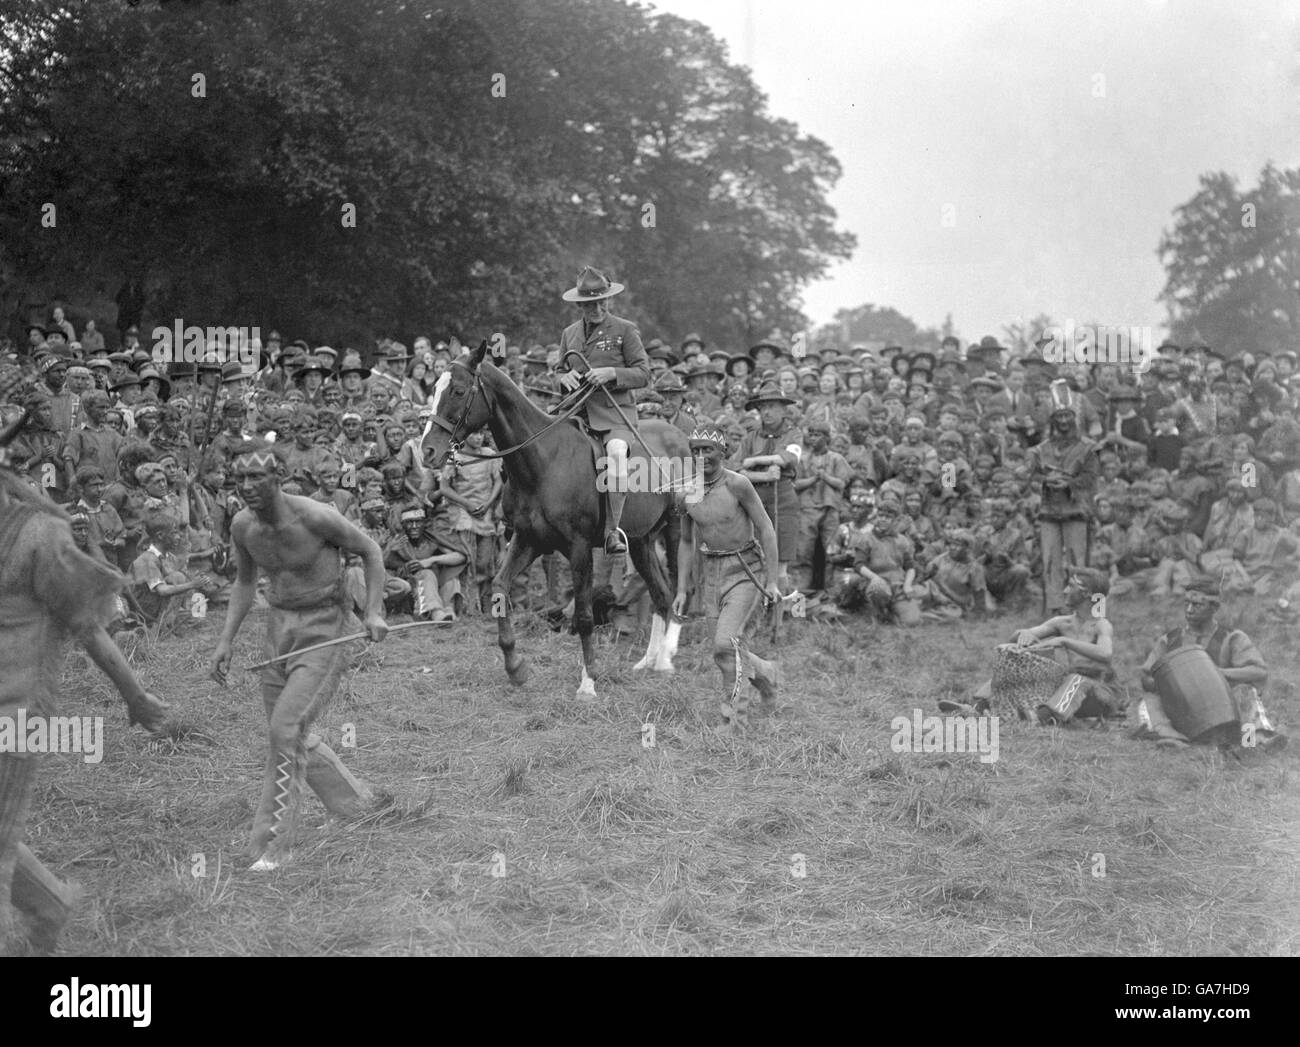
(592, 286)
(768, 393)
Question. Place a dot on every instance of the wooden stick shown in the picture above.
(340, 639)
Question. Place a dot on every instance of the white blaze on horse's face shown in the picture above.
(439, 388)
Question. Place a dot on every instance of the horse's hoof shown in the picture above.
(586, 689)
(644, 663)
(519, 672)
(665, 667)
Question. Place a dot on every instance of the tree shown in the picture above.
(484, 151)
(875, 323)
(1232, 262)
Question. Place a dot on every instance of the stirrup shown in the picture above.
(615, 542)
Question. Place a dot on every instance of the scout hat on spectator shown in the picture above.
(592, 286)
(670, 382)
(985, 382)
(210, 364)
(165, 383)
(730, 365)
(331, 355)
(776, 349)
(656, 350)
(120, 358)
(98, 363)
(536, 355)
(767, 393)
(310, 367)
(352, 365)
(232, 371)
(701, 370)
(691, 339)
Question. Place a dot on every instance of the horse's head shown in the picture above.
(459, 407)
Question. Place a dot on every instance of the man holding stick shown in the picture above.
(299, 544)
(737, 546)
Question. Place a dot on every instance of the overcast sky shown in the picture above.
(1060, 134)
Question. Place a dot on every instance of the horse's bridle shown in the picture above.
(453, 428)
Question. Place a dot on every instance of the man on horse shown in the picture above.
(611, 347)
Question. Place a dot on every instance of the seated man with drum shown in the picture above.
(1189, 701)
(1027, 680)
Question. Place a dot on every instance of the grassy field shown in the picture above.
(688, 847)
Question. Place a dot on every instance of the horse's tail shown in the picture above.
(663, 580)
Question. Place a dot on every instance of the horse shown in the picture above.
(552, 503)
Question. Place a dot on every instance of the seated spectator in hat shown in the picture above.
(954, 581)
(105, 525)
(432, 566)
(127, 496)
(1238, 659)
(209, 521)
(1264, 558)
(1175, 550)
(884, 563)
(159, 571)
(1003, 550)
(1230, 516)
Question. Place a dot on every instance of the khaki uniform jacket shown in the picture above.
(616, 343)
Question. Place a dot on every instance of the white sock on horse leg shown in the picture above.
(668, 651)
(652, 651)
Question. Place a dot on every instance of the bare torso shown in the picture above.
(720, 520)
(295, 554)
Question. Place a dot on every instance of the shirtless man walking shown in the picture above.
(737, 546)
(299, 544)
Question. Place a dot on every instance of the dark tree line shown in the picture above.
(490, 148)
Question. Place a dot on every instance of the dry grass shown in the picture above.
(609, 847)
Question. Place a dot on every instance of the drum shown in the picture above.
(1023, 680)
(1194, 694)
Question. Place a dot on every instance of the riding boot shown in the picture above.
(614, 542)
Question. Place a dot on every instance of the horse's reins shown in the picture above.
(456, 445)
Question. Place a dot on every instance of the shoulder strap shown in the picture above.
(1218, 645)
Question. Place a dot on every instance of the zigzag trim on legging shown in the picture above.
(283, 780)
